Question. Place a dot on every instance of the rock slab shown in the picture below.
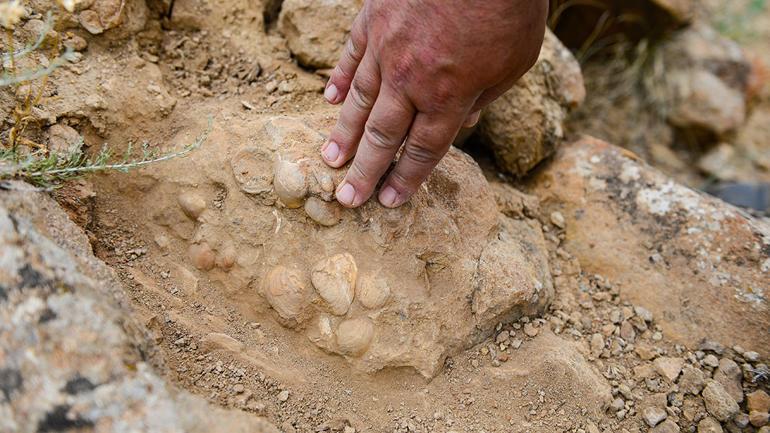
(700, 266)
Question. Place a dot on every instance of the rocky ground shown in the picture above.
(591, 294)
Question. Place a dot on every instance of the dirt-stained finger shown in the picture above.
(384, 133)
(428, 141)
(342, 76)
(344, 138)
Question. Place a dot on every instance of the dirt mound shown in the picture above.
(384, 288)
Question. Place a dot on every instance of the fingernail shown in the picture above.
(346, 194)
(331, 151)
(388, 196)
(473, 119)
(331, 93)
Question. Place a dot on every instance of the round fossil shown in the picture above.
(326, 214)
(252, 170)
(334, 279)
(202, 256)
(289, 183)
(226, 258)
(354, 336)
(285, 291)
(372, 291)
(192, 204)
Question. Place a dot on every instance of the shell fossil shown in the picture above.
(334, 279)
(252, 170)
(372, 292)
(202, 256)
(354, 336)
(326, 214)
(285, 292)
(192, 204)
(289, 183)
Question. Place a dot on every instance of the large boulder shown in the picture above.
(253, 217)
(316, 31)
(701, 266)
(72, 357)
(706, 81)
(526, 124)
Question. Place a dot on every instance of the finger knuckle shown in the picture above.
(361, 96)
(442, 97)
(358, 173)
(422, 153)
(402, 70)
(355, 47)
(377, 137)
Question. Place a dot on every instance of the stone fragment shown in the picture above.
(283, 396)
(653, 415)
(758, 401)
(669, 367)
(666, 426)
(192, 204)
(710, 361)
(334, 279)
(530, 330)
(316, 31)
(76, 43)
(709, 425)
(643, 313)
(751, 356)
(597, 344)
(692, 380)
(90, 21)
(718, 402)
(557, 219)
(645, 352)
(525, 125)
(729, 374)
(707, 78)
(758, 419)
(63, 140)
(741, 420)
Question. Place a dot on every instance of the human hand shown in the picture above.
(413, 73)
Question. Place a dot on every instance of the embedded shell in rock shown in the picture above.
(334, 279)
(372, 292)
(354, 336)
(285, 291)
(289, 183)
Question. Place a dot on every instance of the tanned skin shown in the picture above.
(412, 74)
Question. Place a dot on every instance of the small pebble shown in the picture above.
(283, 396)
(558, 219)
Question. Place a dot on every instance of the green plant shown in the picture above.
(22, 158)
